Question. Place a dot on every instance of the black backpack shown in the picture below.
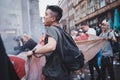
(71, 56)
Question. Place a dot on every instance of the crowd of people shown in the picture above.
(54, 68)
(109, 51)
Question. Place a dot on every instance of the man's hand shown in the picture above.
(29, 53)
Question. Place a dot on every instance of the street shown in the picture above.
(116, 71)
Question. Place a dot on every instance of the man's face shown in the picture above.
(104, 26)
(48, 18)
(84, 28)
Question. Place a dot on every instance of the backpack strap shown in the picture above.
(108, 34)
(60, 37)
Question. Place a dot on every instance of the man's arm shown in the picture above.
(112, 37)
(49, 47)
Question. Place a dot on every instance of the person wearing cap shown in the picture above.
(107, 53)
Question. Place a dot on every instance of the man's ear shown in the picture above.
(53, 18)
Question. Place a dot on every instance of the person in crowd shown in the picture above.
(115, 44)
(53, 69)
(74, 33)
(81, 36)
(19, 43)
(98, 30)
(42, 37)
(118, 41)
(7, 71)
(107, 52)
(28, 43)
(86, 29)
(93, 62)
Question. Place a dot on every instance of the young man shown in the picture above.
(93, 62)
(53, 69)
(107, 52)
(86, 29)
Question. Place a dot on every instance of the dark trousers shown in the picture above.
(66, 77)
(107, 63)
(47, 78)
(93, 63)
(119, 57)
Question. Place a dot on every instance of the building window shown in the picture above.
(77, 14)
(76, 1)
(83, 11)
(112, 1)
(70, 2)
(71, 23)
(92, 6)
(101, 3)
(70, 12)
(93, 21)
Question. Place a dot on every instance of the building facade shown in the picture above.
(67, 20)
(18, 17)
(92, 11)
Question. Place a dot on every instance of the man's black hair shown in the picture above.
(57, 10)
(84, 23)
(107, 20)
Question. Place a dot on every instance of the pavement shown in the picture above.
(116, 71)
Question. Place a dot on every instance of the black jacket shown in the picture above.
(7, 71)
(29, 45)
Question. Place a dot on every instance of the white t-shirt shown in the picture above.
(91, 31)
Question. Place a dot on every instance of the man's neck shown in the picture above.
(55, 24)
(105, 31)
(87, 29)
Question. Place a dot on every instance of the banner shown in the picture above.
(91, 46)
(30, 68)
